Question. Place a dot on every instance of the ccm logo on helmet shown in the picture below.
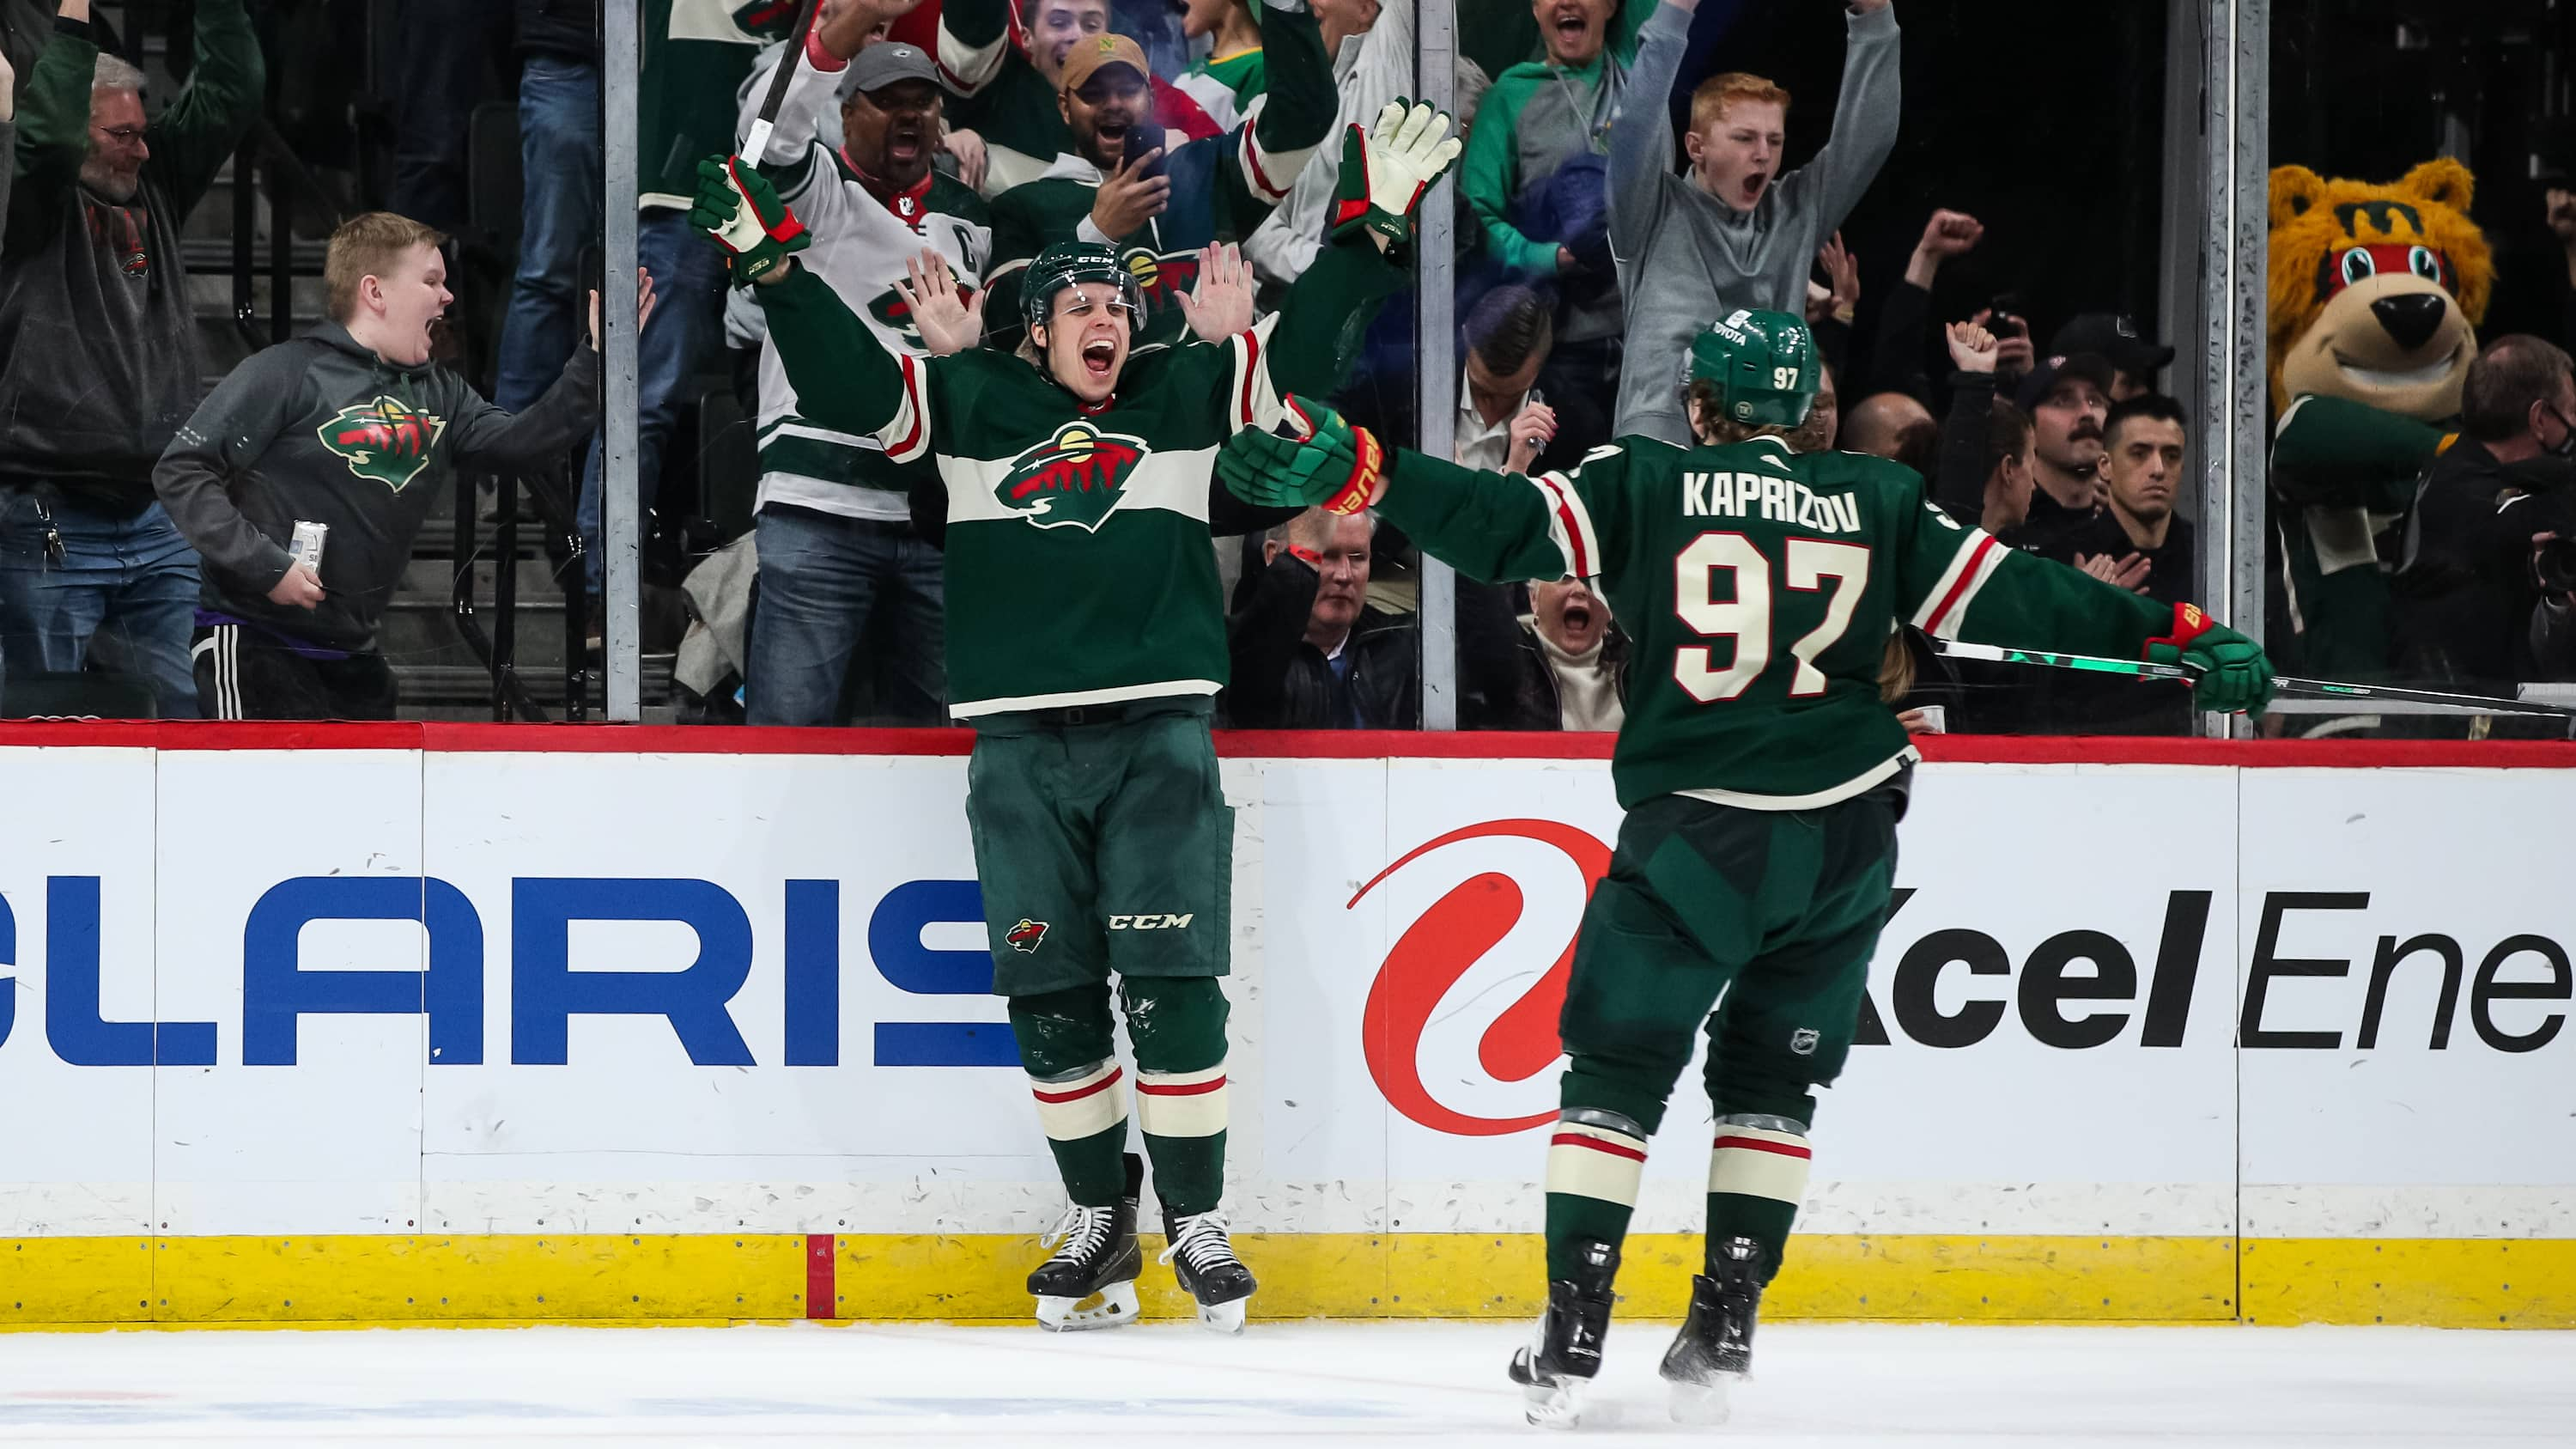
(1150, 923)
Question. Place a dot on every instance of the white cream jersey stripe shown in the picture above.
(1946, 606)
(1256, 401)
(1569, 523)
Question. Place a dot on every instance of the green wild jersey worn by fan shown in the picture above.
(1761, 586)
(1078, 564)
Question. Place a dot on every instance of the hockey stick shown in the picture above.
(2282, 687)
(758, 141)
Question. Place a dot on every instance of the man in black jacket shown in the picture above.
(98, 350)
(1308, 653)
(353, 428)
(2463, 599)
(2138, 542)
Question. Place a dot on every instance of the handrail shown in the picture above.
(509, 692)
(264, 153)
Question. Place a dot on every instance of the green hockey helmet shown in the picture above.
(1763, 365)
(1068, 263)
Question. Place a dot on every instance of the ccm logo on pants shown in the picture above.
(1150, 923)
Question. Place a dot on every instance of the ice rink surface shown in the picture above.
(1414, 1385)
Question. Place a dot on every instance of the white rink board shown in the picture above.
(2059, 991)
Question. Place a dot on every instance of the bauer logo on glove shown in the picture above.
(1316, 461)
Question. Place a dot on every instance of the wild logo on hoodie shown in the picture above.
(386, 441)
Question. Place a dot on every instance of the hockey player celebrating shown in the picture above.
(1086, 636)
(1762, 777)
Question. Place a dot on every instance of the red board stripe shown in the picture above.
(1078, 1093)
(1185, 1089)
(822, 1277)
(617, 739)
(1577, 1139)
(1755, 1144)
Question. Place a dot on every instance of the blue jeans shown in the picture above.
(821, 576)
(126, 589)
(688, 325)
(559, 163)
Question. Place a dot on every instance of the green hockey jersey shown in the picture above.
(1760, 587)
(1225, 86)
(1078, 565)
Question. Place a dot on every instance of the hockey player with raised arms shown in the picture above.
(1086, 639)
(1761, 776)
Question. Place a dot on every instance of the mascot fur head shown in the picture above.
(2377, 290)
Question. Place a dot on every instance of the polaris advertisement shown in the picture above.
(374, 990)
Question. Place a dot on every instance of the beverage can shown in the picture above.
(307, 543)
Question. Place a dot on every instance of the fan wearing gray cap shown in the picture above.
(2135, 357)
(834, 530)
(2067, 399)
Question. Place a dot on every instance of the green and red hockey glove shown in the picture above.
(739, 208)
(1330, 465)
(1387, 168)
(2234, 676)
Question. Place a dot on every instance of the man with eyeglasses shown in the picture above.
(1157, 210)
(1086, 643)
(836, 539)
(102, 351)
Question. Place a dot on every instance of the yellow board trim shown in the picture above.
(625, 1279)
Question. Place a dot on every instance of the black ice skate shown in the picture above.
(1714, 1350)
(1555, 1369)
(1202, 1257)
(1091, 1280)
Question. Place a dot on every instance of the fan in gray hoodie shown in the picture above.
(1688, 256)
(353, 427)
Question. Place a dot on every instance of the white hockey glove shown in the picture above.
(1387, 168)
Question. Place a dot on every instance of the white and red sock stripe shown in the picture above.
(1181, 1104)
(1593, 1161)
(1083, 1104)
(1759, 1162)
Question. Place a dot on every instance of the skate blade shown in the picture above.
(1554, 1404)
(1109, 1308)
(1223, 1317)
(1703, 1404)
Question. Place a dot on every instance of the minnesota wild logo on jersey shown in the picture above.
(1072, 480)
(890, 312)
(385, 441)
(1162, 279)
